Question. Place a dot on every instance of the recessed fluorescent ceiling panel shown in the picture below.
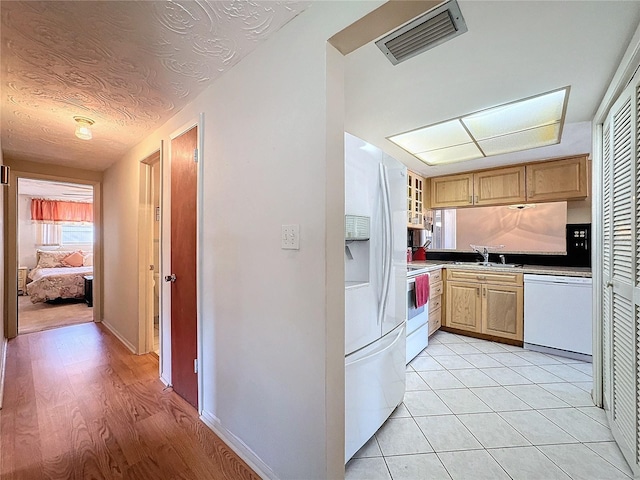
(521, 125)
(424, 32)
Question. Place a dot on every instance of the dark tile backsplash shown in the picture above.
(577, 255)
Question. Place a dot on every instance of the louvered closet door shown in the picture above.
(621, 272)
(606, 267)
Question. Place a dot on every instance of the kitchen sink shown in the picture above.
(489, 264)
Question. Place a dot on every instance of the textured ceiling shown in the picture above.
(71, 192)
(128, 65)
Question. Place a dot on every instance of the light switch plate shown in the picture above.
(291, 237)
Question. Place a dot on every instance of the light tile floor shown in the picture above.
(482, 410)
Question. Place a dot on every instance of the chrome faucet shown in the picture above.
(502, 259)
(484, 252)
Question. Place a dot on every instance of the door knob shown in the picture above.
(170, 278)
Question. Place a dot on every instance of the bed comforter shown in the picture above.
(52, 283)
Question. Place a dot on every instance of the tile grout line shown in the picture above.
(499, 384)
(586, 444)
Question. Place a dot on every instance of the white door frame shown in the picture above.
(624, 74)
(146, 219)
(165, 260)
(11, 244)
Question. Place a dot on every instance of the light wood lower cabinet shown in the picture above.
(435, 300)
(502, 311)
(464, 306)
(491, 304)
(435, 320)
(435, 313)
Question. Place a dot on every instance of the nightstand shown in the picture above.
(22, 280)
(88, 290)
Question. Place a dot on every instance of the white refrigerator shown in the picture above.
(375, 289)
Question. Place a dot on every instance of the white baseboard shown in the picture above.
(238, 446)
(115, 332)
(3, 364)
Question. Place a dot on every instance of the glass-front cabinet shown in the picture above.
(415, 200)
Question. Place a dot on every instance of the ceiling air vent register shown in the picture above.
(426, 31)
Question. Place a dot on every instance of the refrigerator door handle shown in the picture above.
(399, 336)
(386, 244)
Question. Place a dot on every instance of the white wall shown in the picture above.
(268, 315)
(26, 233)
(120, 252)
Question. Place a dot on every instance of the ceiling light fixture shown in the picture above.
(529, 123)
(83, 128)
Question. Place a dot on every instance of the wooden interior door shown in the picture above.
(184, 173)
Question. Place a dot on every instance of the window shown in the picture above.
(516, 227)
(48, 234)
(76, 234)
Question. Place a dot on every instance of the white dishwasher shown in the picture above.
(557, 315)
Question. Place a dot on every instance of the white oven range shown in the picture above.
(417, 317)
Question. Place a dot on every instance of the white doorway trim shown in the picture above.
(165, 256)
(146, 221)
(11, 244)
(624, 74)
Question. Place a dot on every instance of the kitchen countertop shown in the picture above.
(428, 266)
(535, 269)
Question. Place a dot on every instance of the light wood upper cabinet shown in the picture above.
(561, 179)
(489, 187)
(502, 185)
(416, 185)
(557, 179)
(452, 191)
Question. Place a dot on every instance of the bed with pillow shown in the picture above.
(59, 274)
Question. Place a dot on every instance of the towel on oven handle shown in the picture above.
(422, 290)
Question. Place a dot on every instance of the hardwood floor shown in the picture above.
(44, 315)
(79, 405)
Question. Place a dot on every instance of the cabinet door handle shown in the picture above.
(478, 291)
(476, 199)
(470, 199)
(481, 277)
(484, 292)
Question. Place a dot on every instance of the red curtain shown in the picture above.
(58, 211)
